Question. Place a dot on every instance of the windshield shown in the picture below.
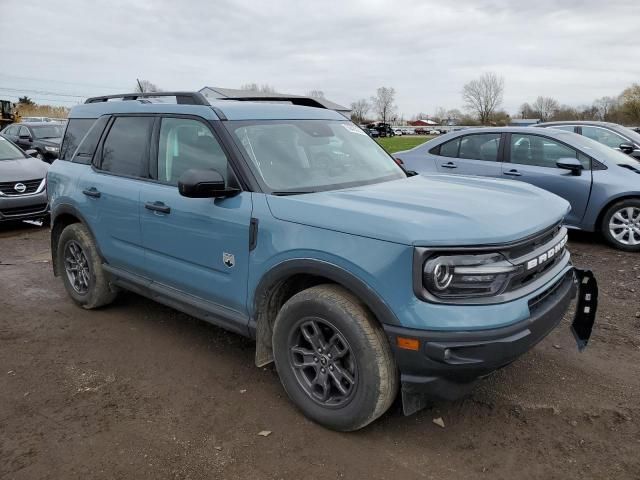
(300, 156)
(596, 150)
(8, 151)
(47, 131)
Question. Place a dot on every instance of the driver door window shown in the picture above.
(604, 136)
(541, 151)
(186, 144)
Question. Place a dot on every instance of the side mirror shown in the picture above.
(197, 183)
(626, 148)
(31, 152)
(569, 163)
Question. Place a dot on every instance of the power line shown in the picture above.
(17, 97)
(42, 92)
(40, 79)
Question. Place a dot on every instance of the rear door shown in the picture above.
(474, 154)
(111, 190)
(199, 246)
(532, 159)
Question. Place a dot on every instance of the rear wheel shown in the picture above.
(80, 267)
(333, 358)
(621, 225)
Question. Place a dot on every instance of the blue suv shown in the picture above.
(290, 225)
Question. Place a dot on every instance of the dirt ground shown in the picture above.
(138, 390)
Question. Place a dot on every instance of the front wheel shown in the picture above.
(621, 225)
(333, 358)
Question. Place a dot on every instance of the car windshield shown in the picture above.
(597, 150)
(8, 151)
(47, 131)
(301, 156)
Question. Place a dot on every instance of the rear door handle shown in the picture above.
(92, 192)
(513, 172)
(449, 165)
(157, 207)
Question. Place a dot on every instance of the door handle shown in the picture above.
(92, 192)
(513, 172)
(157, 207)
(449, 165)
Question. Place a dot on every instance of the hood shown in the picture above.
(22, 169)
(429, 210)
(53, 142)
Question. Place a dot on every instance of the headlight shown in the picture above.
(468, 276)
(51, 149)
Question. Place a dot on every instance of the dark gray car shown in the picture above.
(612, 135)
(601, 184)
(23, 184)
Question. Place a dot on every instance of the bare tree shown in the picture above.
(605, 106)
(545, 107)
(526, 111)
(440, 114)
(315, 94)
(383, 103)
(359, 110)
(254, 87)
(484, 95)
(145, 86)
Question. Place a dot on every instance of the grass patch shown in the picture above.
(396, 144)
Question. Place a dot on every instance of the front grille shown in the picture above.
(9, 188)
(538, 301)
(534, 250)
(26, 210)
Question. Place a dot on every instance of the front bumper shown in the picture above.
(24, 207)
(448, 364)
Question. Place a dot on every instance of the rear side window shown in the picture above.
(87, 147)
(76, 130)
(126, 149)
(480, 147)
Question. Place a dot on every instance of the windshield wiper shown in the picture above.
(286, 193)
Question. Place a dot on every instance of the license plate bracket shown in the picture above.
(585, 315)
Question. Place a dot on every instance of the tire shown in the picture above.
(345, 325)
(623, 219)
(96, 291)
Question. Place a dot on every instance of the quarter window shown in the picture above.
(566, 128)
(541, 151)
(480, 147)
(604, 136)
(450, 149)
(188, 144)
(125, 150)
(76, 130)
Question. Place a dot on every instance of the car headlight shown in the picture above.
(51, 149)
(467, 276)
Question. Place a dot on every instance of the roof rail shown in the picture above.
(304, 101)
(182, 98)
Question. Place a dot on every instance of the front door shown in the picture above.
(475, 154)
(199, 246)
(532, 159)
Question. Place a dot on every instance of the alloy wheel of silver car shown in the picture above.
(77, 267)
(624, 226)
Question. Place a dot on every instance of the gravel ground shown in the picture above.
(138, 390)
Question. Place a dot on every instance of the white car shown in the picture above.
(398, 131)
(434, 132)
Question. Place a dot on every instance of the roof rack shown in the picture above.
(304, 101)
(182, 98)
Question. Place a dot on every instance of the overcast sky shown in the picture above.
(574, 51)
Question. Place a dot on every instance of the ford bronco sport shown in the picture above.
(288, 224)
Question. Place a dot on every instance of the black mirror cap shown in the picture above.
(201, 183)
(626, 147)
(570, 163)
